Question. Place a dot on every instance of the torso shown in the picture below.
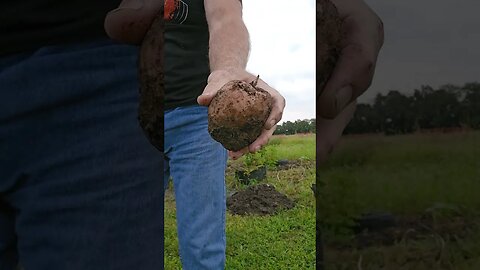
(186, 52)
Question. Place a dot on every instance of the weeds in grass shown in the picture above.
(282, 241)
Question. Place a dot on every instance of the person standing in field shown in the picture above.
(206, 45)
(79, 184)
(218, 41)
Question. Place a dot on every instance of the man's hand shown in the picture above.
(354, 71)
(131, 20)
(228, 55)
(220, 77)
(329, 132)
(352, 75)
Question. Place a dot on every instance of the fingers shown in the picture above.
(277, 111)
(355, 68)
(206, 97)
(237, 154)
(219, 78)
(278, 105)
(352, 75)
(214, 83)
(330, 131)
(131, 20)
(260, 142)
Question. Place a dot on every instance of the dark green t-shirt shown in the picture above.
(186, 52)
(30, 24)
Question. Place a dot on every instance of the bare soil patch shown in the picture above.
(261, 199)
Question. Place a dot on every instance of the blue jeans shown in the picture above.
(197, 165)
(80, 185)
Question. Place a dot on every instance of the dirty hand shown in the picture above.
(131, 20)
(218, 78)
(329, 132)
(355, 68)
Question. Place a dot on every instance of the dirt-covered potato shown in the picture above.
(150, 112)
(329, 37)
(237, 114)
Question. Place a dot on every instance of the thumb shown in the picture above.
(208, 93)
(214, 83)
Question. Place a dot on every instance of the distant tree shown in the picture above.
(437, 108)
(313, 125)
(365, 120)
(471, 105)
(302, 126)
(299, 126)
(395, 113)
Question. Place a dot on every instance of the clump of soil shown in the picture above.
(285, 164)
(411, 228)
(258, 200)
(150, 112)
(329, 37)
(237, 114)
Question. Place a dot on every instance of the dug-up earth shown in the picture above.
(262, 199)
(412, 243)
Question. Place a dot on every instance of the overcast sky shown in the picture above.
(282, 35)
(431, 42)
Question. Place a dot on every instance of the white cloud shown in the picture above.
(282, 34)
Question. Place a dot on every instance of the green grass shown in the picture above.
(407, 174)
(283, 241)
(404, 175)
(294, 147)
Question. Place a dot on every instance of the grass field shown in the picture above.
(416, 177)
(429, 179)
(283, 241)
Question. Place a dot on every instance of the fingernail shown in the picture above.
(343, 98)
(256, 148)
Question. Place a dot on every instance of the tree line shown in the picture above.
(448, 106)
(296, 127)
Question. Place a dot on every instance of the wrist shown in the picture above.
(230, 74)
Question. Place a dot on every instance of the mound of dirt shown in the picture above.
(261, 200)
(285, 164)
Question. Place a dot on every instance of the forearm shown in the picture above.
(229, 49)
(229, 38)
